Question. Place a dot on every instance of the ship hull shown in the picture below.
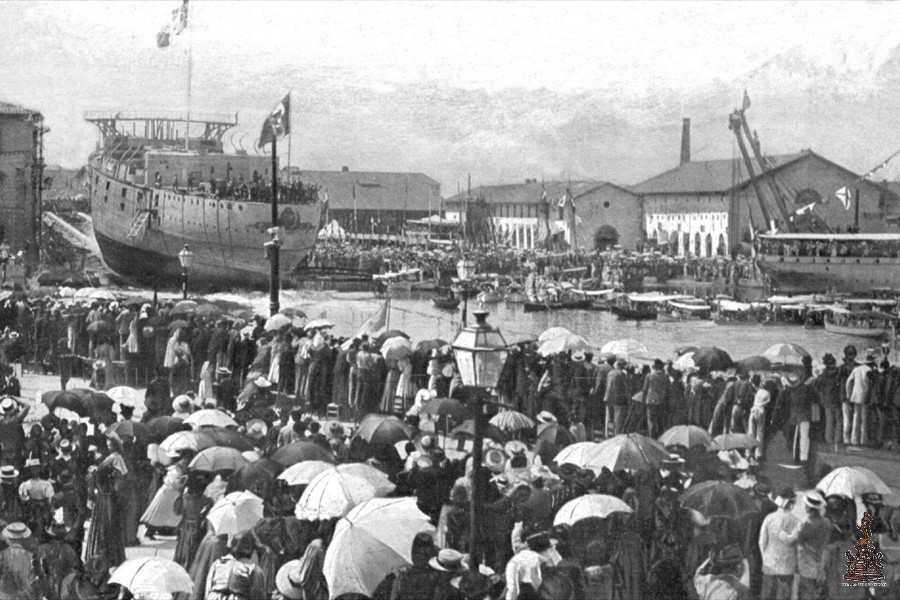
(855, 275)
(225, 236)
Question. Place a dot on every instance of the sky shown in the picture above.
(504, 91)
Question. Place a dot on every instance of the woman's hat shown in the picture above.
(7, 405)
(870, 357)
(815, 501)
(257, 428)
(58, 530)
(546, 417)
(449, 561)
(785, 497)
(674, 461)
(182, 403)
(16, 531)
(289, 580)
(728, 555)
(734, 460)
(515, 447)
(223, 371)
(621, 362)
(262, 382)
(658, 364)
(8, 472)
(495, 460)
(578, 356)
(792, 377)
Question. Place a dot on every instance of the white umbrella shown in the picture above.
(152, 575)
(373, 539)
(304, 472)
(104, 295)
(684, 362)
(558, 345)
(277, 321)
(785, 353)
(626, 349)
(625, 451)
(182, 440)
(126, 395)
(851, 482)
(332, 494)
(379, 479)
(553, 333)
(590, 505)
(236, 512)
(319, 324)
(210, 417)
(396, 348)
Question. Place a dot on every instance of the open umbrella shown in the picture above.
(319, 324)
(218, 458)
(390, 333)
(590, 505)
(559, 345)
(304, 472)
(445, 407)
(851, 482)
(626, 349)
(208, 311)
(625, 451)
(63, 399)
(277, 321)
(710, 358)
(555, 434)
(734, 441)
(719, 499)
(185, 440)
(296, 452)
(103, 295)
(687, 436)
(224, 436)
(178, 324)
(162, 427)
(257, 477)
(210, 417)
(152, 575)
(130, 429)
(382, 429)
(753, 363)
(100, 327)
(235, 512)
(685, 362)
(331, 495)
(553, 333)
(373, 539)
(126, 395)
(396, 348)
(511, 420)
(785, 353)
(185, 307)
(136, 301)
(377, 478)
(426, 346)
(467, 428)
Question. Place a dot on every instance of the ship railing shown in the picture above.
(164, 115)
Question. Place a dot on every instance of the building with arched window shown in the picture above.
(21, 177)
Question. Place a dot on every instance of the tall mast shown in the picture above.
(190, 70)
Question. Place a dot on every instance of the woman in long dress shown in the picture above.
(106, 537)
(390, 387)
(178, 362)
(161, 512)
(192, 506)
(367, 384)
(404, 390)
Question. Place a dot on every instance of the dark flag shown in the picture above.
(176, 25)
(277, 124)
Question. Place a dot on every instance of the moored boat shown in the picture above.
(861, 323)
(538, 306)
(676, 312)
(445, 302)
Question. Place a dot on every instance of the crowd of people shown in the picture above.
(75, 491)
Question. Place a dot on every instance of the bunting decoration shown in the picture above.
(175, 26)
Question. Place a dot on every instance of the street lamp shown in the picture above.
(480, 352)
(272, 250)
(186, 258)
(465, 269)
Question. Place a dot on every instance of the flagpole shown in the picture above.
(190, 72)
(274, 244)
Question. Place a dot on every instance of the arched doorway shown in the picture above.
(605, 236)
(709, 247)
(686, 244)
(697, 244)
(721, 250)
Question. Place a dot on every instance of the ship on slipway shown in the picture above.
(158, 184)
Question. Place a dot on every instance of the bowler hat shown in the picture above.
(289, 580)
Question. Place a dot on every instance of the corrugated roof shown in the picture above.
(709, 176)
(530, 193)
(7, 108)
(374, 189)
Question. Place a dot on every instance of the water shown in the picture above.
(415, 314)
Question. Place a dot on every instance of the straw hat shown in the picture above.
(16, 531)
(8, 406)
(8, 472)
(257, 428)
(814, 501)
(495, 460)
(262, 382)
(449, 561)
(546, 417)
(182, 403)
(288, 580)
(578, 356)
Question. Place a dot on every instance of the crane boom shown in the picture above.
(735, 126)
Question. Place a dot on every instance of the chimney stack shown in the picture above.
(685, 141)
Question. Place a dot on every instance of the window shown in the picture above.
(124, 193)
(107, 186)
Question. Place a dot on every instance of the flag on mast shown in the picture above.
(377, 322)
(277, 124)
(844, 196)
(177, 23)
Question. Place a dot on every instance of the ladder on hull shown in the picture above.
(139, 224)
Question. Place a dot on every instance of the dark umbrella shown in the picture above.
(162, 427)
(222, 436)
(710, 359)
(66, 399)
(719, 499)
(382, 429)
(99, 404)
(100, 327)
(299, 452)
(388, 335)
(426, 346)
(177, 324)
(446, 407)
(490, 431)
(257, 477)
(556, 434)
(753, 363)
(156, 321)
(131, 429)
(208, 311)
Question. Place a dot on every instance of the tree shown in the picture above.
(605, 236)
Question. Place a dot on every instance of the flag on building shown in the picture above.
(277, 124)
(377, 322)
(844, 196)
(177, 23)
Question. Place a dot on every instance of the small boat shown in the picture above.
(643, 313)
(537, 306)
(490, 295)
(860, 323)
(600, 299)
(677, 312)
(642, 307)
(445, 302)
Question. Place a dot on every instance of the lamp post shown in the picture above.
(272, 248)
(186, 258)
(480, 352)
(465, 269)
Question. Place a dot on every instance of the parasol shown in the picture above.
(102, 295)
(293, 313)
(710, 359)
(511, 420)
(278, 321)
(753, 363)
(785, 353)
(210, 417)
(630, 451)
(185, 440)
(296, 452)
(626, 349)
(184, 307)
(377, 478)
(590, 505)
(162, 427)
(332, 495)
(130, 429)
(467, 428)
(178, 324)
(319, 324)
(561, 345)
(235, 512)
(396, 348)
(734, 441)
(719, 499)
(851, 482)
(375, 538)
(445, 407)
(390, 333)
(304, 472)
(382, 429)
(152, 575)
(218, 458)
(426, 346)
(208, 311)
(687, 436)
(553, 333)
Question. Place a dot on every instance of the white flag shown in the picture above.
(377, 321)
(807, 208)
(843, 195)
(562, 202)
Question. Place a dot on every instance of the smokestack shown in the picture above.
(685, 141)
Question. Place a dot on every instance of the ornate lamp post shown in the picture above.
(465, 269)
(186, 258)
(480, 353)
(272, 248)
